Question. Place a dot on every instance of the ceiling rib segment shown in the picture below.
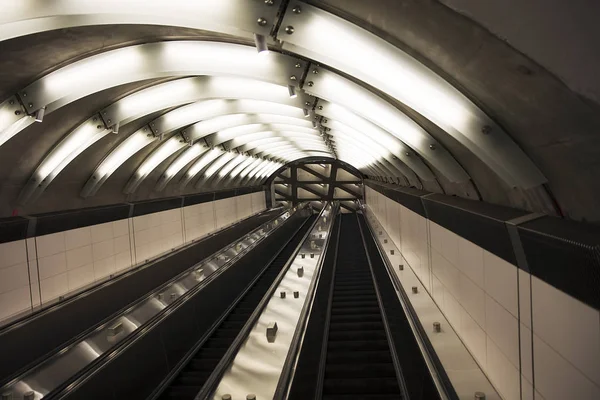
(363, 55)
(140, 62)
(223, 94)
(234, 17)
(364, 103)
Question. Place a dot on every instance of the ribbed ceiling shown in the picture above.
(135, 103)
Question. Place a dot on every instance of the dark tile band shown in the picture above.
(18, 228)
(565, 254)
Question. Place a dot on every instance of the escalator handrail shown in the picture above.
(386, 325)
(84, 373)
(213, 380)
(25, 319)
(190, 354)
(327, 323)
(436, 370)
(287, 372)
(22, 372)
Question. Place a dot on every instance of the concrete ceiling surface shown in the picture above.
(531, 84)
(556, 127)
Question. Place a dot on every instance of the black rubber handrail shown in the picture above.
(443, 384)
(390, 339)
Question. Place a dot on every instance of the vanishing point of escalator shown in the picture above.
(193, 376)
(358, 360)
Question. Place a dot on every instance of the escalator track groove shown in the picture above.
(358, 361)
(192, 377)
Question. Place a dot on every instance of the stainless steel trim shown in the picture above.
(213, 381)
(63, 365)
(288, 371)
(413, 321)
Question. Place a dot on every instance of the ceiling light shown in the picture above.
(357, 52)
(115, 159)
(198, 166)
(152, 60)
(165, 150)
(180, 162)
(232, 17)
(371, 107)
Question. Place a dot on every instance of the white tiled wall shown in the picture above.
(15, 292)
(70, 260)
(493, 305)
(41, 269)
(157, 233)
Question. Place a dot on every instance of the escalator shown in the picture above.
(61, 373)
(358, 340)
(23, 347)
(358, 363)
(192, 377)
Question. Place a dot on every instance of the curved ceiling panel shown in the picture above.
(236, 17)
(215, 113)
(363, 55)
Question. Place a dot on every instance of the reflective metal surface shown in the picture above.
(57, 369)
(258, 364)
(463, 372)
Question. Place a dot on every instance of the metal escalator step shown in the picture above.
(361, 386)
(356, 356)
(369, 370)
(358, 345)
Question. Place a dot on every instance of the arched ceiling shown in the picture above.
(174, 97)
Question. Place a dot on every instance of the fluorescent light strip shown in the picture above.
(396, 168)
(66, 151)
(156, 60)
(278, 112)
(250, 168)
(160, 154)
(152, 60)
(270, 135)
(215, 166)
(369, 106)
(176, 92)
(233, 17)
(342, 119)
(300, 141)
(296, 125)
(196, 90)
(180, 162)
(223, 122)
(345, 145)
(238, 170)
(223, 174)
(115, 159)
(363, 55)
(202, 163)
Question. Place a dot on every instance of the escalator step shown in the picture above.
(361, 386)
(362, 335)
(363, 356)
(357, 345)
(371, 370)
(358, 362)
(356, 326)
